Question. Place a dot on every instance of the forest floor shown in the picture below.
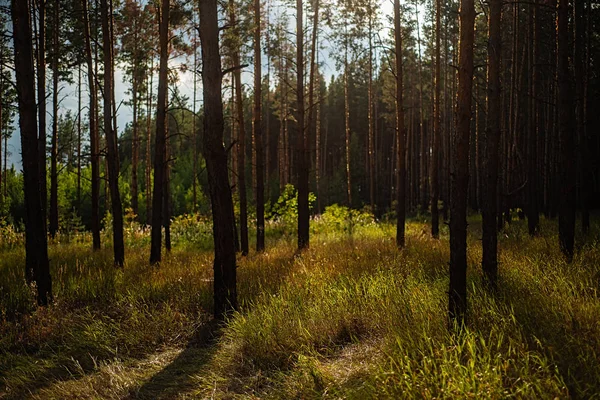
(352, 317)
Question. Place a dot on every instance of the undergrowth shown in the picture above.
(352, 317)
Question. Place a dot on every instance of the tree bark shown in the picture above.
(435, 149)
(566, 219)
(160, 146)
(257, 126)
(53, 225)
(533, 217)
(41, 92)
(241, 144)
(347, 125)
(111, 139)
(135, 141)
(302, 140)
(460, 173)
(94, 136)
(225, 294)
(400, 136)
(37, 266)
(489, 205)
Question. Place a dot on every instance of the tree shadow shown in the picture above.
(176, 377)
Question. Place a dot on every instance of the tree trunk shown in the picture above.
(566, 220)
(585, 178)
(79, 140)
(94, 136)
(111, 139)
(347, 126)
(303, 153)
(241, 144)
(371, 133)
(149, 147)
(225, 294)
(160, 146)
(533, 218)
(41, 93)
(460, 171)
(36, 246)
(257, 126)
(400, 136)
(435, 149)
(135, 142)
(53, 226)
(489, 208)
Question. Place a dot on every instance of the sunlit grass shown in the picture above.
(352, 317)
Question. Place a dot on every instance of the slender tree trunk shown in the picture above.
(53, 226)
(36, 246)
(533, 218)
(585, 181)
(160, 146)
(241, 146)
(79, 140)
(135, 141)
(225, 294)
(400, 136)
(312, 80)
(371, 134)
(421, 145)
(41, 95)
(111, 140)
(303, 153)
(257, 126)
(347, 126)
(489, 209)
(194, 127)
(94, 136)
(435, 149)
(460, 172)
(149, 147)
(566, 220)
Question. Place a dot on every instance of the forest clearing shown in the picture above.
(306, 199)
(350, 318)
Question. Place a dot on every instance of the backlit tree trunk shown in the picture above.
(401, 168)
(489, 208)
(94, 136)
(111, 139)
(258, 136)
(225, 294)
(460, 172)
(302, 140)
(160, 146)
(36, 246)
(566, 219)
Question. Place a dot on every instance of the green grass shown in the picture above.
(352, 317)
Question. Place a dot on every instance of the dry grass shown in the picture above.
(352, 317)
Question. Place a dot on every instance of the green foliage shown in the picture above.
(286, 208)
(346, 219)
(192, 230)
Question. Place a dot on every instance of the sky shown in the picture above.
(68, 92)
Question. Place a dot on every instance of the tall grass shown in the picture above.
(352, 317)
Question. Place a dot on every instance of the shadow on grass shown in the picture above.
(176, 377)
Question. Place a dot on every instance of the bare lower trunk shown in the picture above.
(460, 172)
(111, 141)
(225, 294)
(94, 137)
(566, 220)
(36, 246)
(401, 171)
(489, 209)
(160, 146)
